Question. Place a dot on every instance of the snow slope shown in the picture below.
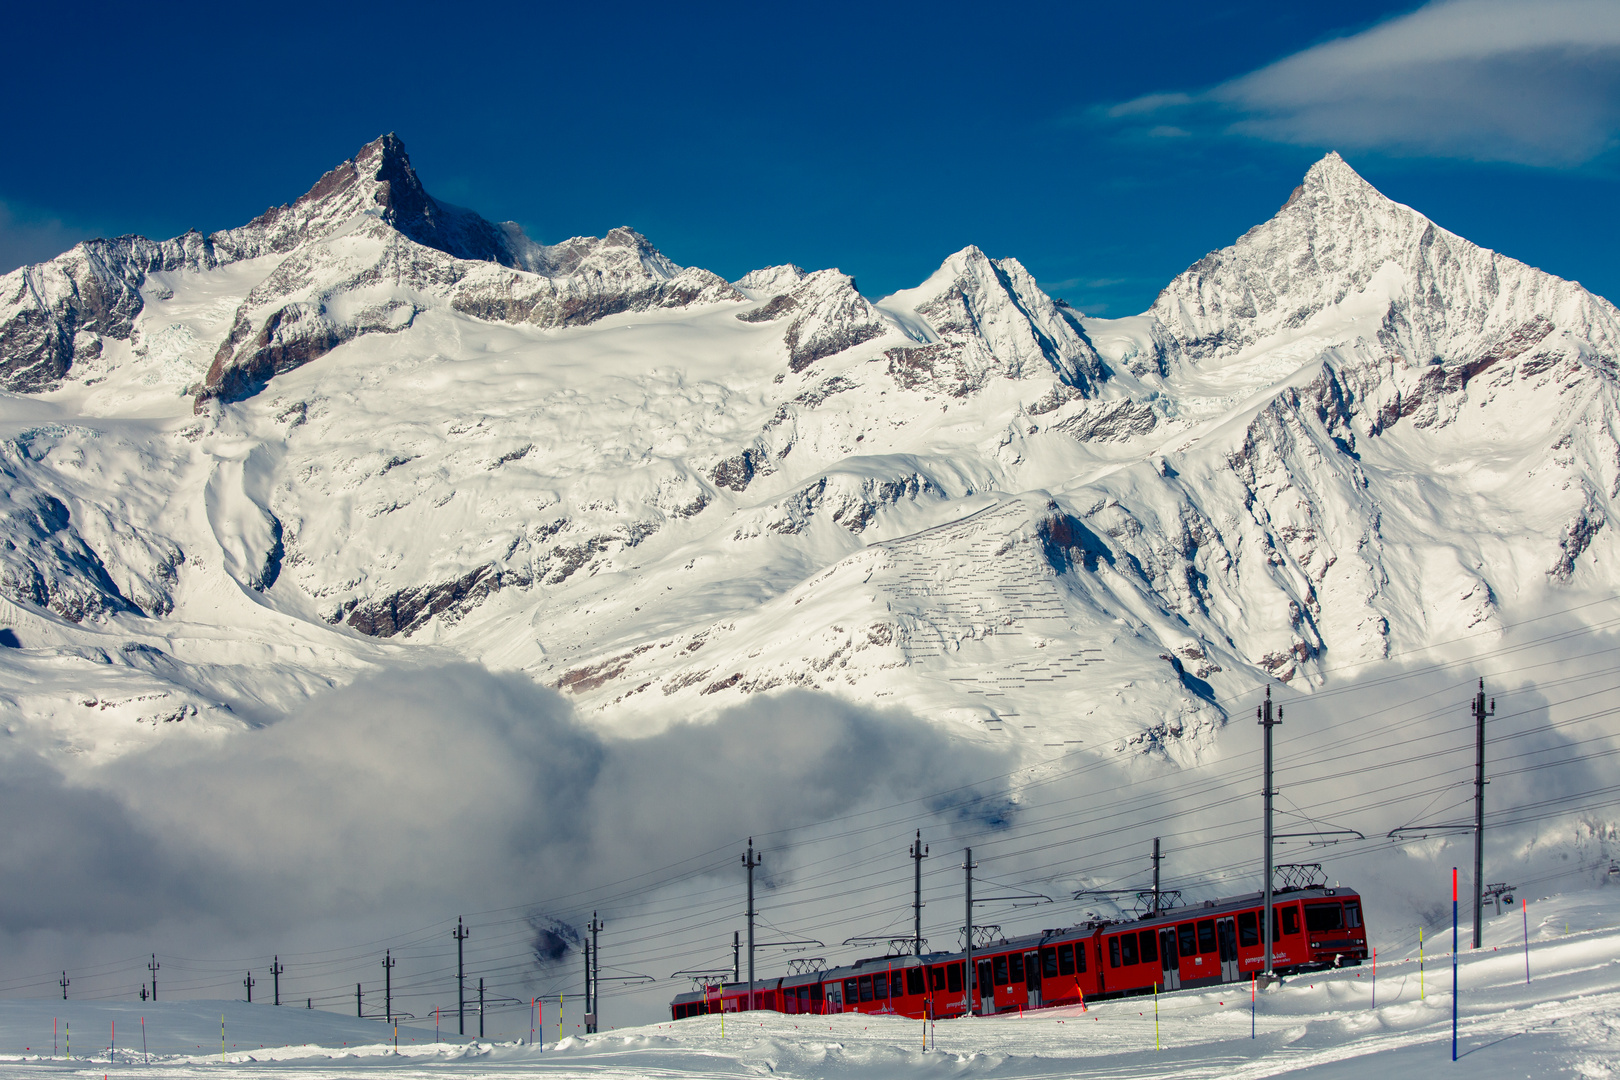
(1331, 1024)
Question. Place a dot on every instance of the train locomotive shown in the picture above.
(1207, 944)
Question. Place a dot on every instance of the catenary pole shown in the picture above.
(1156, 858)
(736, 956)
(586, 1019)
(275, 973)
(460, 934)
(153, 968)
(480, 1006)
(388, 985)
(1267, 723)
(596, 975)
(1480, 713)
(919, 852)
(751, 860)
(967, 933)
(250, 982)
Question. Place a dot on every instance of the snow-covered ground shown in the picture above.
(1565, 1021)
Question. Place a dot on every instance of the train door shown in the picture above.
(987, 990)
(1169, 959)
(1226, 936)
(1032, 979)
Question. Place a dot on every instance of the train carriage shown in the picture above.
(1219, 941)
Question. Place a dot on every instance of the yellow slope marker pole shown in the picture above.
(1155, 1016)
(1422, 994)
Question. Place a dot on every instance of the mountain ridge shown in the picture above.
(662, 492)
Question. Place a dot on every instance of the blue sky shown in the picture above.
(1107, 147)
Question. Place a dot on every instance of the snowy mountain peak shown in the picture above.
(986, 318)
(378, 180)
(1333, 178)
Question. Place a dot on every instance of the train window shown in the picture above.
(866, 988)
(916, 981)
(1352, 915)
(1113, 952)
(1290, 917)
(1065, 959)
(804, 999)
(936, 978)
(1127, 949)
(1248, 928)
(1000, 970)
(880, 986)
(1015, 963)
(1206, 935)
(897, 983)
(1080, 956)
(851, 994)
(953, 979)
(1187, 939)
(1049, 967)
(1150, 946)
(1324, 917)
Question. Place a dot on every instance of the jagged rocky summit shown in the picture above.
(369, 426)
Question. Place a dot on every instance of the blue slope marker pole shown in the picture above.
(1453, 963)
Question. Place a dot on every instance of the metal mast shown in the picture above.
(1155, 875)
(919, 852)
(967, 932)
(751, 860)
(596, 973)
(460, 934)
(1480, 713)
(1267, 723)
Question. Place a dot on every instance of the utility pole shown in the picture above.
(480, 1006)
(596, 973)
(275, 971)
(587, 950)
(388, 984)
(359, 1004)
(1156, 875)
(736, 956)
(1266, 722)
(919, 852)
(153, 968)
(63, 983)
(1480, 713)
(973, 1002)
(250, 983)
(750, 860)
(460, 934)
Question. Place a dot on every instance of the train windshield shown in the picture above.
(1324, 917)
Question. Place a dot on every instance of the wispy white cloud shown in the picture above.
(1529, 81)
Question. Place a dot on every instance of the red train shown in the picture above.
(1216, 942)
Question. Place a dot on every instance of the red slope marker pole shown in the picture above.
(1252, 1005)
(1375, 977)
(1526, 909)
(144, 1054)
(1453, 963)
